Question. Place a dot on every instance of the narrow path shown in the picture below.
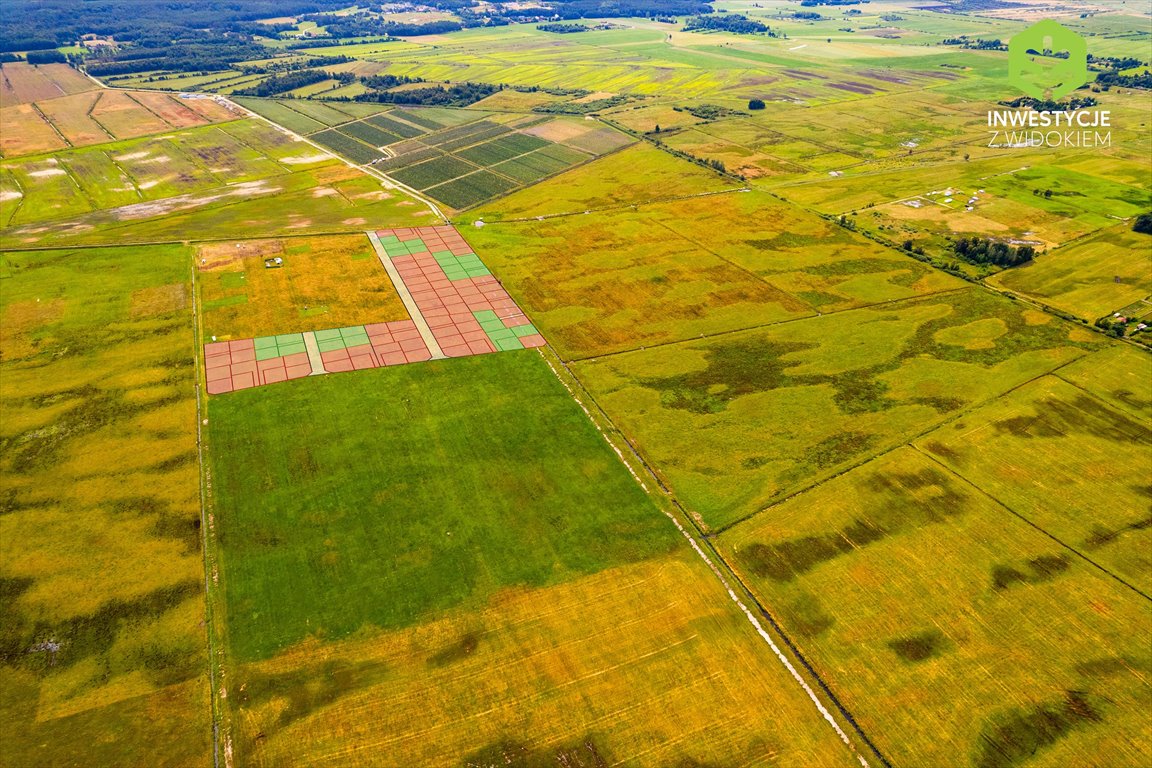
(406, 297)
(314, 358)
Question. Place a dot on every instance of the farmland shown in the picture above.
(242, 176)
(735, 406)
(667, 423)
(668, 271)
(1090, 278)
(63, 118)
(102, 561)
(920, 594)
(459, 157)
(330, 281)
(592, 531)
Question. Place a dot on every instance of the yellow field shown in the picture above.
(627, 664)
(955, 633)
(101, 534)
(325, 282)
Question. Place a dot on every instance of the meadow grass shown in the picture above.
(1120, 375)
(380, 499)
(621, 280)
(1086, 464)
(308, 191)
(734, 422)
(919, 597)
(101, 519)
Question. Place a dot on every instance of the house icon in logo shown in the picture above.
(1047, 60)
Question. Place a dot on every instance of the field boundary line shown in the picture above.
(67, 144)
(618, 207)
(186, 241)
(669, 498)
(739, 267)
(1031, 524)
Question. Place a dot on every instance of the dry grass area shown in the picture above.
(24, 132)
(624, 666)
(22, 83)
(325, 282)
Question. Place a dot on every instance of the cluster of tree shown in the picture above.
(1048, 105)
(1112, 78)
(985, 250)
(284, 83)
(9, 58)
(756, 104)
(1143, 224)
(46, 57)
(452, 95)
(333, 43)
(365, 24)
(42, 24)
(716, 165)
(619, 9)
(1115, 62)
(311, 62)
(979, 44)
(1112, 326)
(202, 55)
(911, 247)
(727, 22)
(574, 92)
(709, 111)
(563, 29)
(810, 3)
(387, 82)
(807, 15)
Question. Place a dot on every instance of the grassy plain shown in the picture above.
(657, 273)
(919, 596)
(101, 525)
(100, 116)
(451, 466)
(325, 282)
(637, 174)
(729, 421)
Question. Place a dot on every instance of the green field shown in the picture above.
(245, 177)
(440, 150)
(472, 474)
(1081, 452)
